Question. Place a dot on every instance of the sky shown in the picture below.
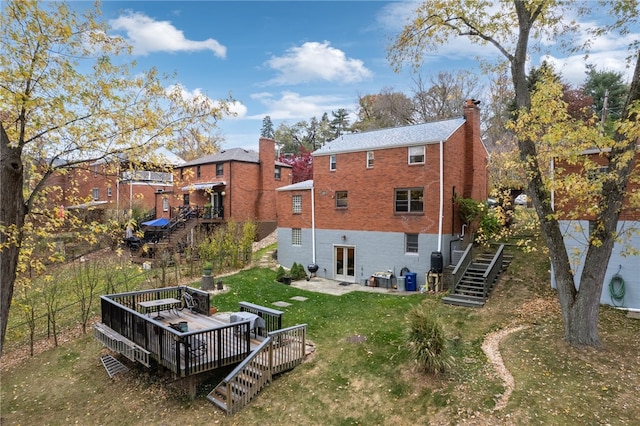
(293, 60)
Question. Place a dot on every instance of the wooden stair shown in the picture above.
(472, 290)
(112, 365)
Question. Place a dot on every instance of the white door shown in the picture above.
(344, 261)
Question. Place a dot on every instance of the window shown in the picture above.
(409, 200)
(219, 169)
(165, 204)
(416, 155)
(277, 174)
(297, 204)
(411, 243)
(109, 191)
(597, 173)
(332, 162)
(369, 159)
(296, 236)
(198, 172)
(181, 173)
(185, 199)
(341, 199)
(95, 171)
(96, 194)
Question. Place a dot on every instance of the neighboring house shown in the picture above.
(115, 187)
(233, 184)
(622, 277)
(384, 200)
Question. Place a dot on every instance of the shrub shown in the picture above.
(426, 341)
(298, 272)
(280, 273)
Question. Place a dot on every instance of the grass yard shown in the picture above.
(370, 382)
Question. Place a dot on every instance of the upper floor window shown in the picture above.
(96, 194)
(369, 159)
(96, 168)
(332, 162)
(277, 174)
(296, 236)
(185, 199)
(198, 172)
(341, 199)
(409, 200)
(220, 169)
(416, 154)
(109, 191)
(411, 243)
(297, 203)
(165, 204)
(182, 173)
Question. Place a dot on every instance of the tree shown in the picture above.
(383, 110)
(340, 122)
(301, 165)
(192, 144)
(509, 28)
(445, 98)
(68, 99)
(608, 91)
(267, 128)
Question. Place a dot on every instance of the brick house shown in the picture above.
(624, 262)
(114, 187)
(384, 200)
(233, 184)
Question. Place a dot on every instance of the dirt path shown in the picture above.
(491, 348)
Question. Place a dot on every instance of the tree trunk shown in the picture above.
(12, 215)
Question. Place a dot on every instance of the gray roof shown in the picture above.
(304, 185)
(233, 154)
(418, 134)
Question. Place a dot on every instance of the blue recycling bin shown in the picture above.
(410, 281)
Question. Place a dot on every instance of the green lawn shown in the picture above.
(373, 382)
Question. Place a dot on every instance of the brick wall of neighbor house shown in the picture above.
(566, 205)
(286, 217)
(265, 202)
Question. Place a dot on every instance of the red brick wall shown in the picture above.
(570, 208)
(286, 218)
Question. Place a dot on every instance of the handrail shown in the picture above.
(461, 267)
(492, 270)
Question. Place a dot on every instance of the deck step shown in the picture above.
(112, 365)
(467, 301)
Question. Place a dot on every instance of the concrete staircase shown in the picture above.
(477, 283)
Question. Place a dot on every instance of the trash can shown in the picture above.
(410, 281)
(400, 283)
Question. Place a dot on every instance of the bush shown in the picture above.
(298, 272)
(280, 273)
(426, 341)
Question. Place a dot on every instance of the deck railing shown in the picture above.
(493, 270)
(271, 317)
(182, 353)
(282, 350)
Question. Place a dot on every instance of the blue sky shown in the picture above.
(293, 60)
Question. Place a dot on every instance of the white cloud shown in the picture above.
(315, 61)
(293, 106)
(147, 35)
(237, 109)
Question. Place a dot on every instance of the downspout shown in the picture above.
(313, 225)
(441, 198)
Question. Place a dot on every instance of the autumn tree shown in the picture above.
(389, 108)
(192, 144)
(509, 26)
(69, 97)
(301, 165)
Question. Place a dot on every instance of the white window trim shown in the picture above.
(412, 152)
(370, 158)
(333, 162)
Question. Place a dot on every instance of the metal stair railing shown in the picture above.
(492, 271)
(461, 267)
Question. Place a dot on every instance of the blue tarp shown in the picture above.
(160, 222)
